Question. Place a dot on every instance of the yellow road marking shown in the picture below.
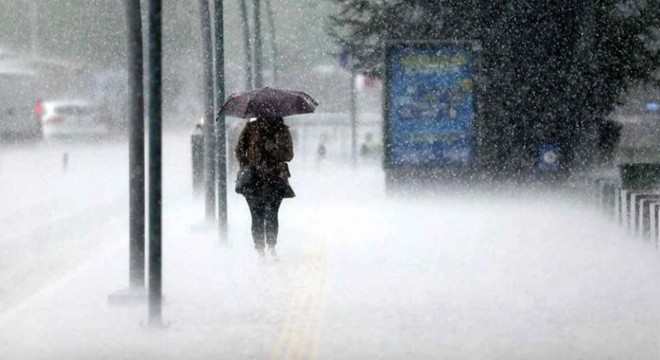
(301, 330)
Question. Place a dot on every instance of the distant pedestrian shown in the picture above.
(38, 109)
(368, 145)
(265, 145)
(65, 161)
(38, 113)
(322, 150)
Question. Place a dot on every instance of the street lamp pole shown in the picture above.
(353, 116)
(258, 58)
(352, 103)
(273, 41)
(136, 144)
(155, 163)
(209, 131)
(245, 24)
(34, 27)
(221, 140)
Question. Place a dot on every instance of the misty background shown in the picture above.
(505, 272)
(90, 37)
(523, 99)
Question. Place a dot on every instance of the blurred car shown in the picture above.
(74, 120)
(17, 102)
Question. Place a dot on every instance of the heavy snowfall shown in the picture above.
(479, 180)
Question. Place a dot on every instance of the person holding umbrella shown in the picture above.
(263, 151)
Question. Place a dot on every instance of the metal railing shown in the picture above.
(635, 209)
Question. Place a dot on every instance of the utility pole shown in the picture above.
(209, 131)
(246, 45)
(136, 145)
(34, 27)
(258, 56)
(136, 167)
(273, 41)
(220, 120)
(155, 163)
(587, 67)
(353, 112)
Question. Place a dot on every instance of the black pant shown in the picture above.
(265, 224)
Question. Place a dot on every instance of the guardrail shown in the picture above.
(631, 199)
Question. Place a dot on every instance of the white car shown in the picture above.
(72, 120)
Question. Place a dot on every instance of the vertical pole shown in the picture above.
(273, 41)
(246, 44)
(136, 144)
(221, 142)
(209, 132)
(353, 116)
(155, 163)
(34, 27)
(197, 159)
(258, 75)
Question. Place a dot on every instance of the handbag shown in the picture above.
(245, 178)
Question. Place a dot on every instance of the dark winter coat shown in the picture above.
(266, 144)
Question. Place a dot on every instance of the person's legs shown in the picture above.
(257, 210)
(272, 207)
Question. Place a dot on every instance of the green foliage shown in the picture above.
(550, 71)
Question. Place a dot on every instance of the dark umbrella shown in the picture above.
(268, 102)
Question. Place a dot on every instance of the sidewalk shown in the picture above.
(362, 277)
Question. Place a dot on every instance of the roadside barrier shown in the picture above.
(631, 199)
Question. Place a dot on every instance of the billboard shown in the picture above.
(430, 103)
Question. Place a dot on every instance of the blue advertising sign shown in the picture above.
(430, 104)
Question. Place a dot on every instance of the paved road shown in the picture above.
(451, 276)
(62, 203)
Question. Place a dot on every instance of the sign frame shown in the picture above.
(397, 45)
(396, 170)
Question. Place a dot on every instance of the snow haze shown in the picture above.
(479, 275)
(517, 263)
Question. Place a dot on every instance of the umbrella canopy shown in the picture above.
(268, 102)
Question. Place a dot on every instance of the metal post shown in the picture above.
(258, 75)
(209, 132)
(197, 159)
(155, 164)
(246, 44)
(353, 115)
(136, 144)
(653, 222)
(221, 142)
(273, 42)
(34, 27)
